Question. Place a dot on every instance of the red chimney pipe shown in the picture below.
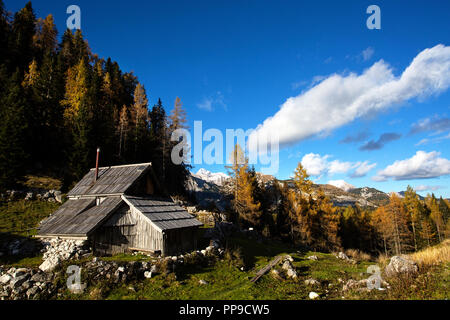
(96, 164)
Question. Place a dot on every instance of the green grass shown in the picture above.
(20, 218)
(227, 282)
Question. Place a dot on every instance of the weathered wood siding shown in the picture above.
(128, 228)
(148, 238)
(116, 235)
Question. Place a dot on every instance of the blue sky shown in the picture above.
(235, 63)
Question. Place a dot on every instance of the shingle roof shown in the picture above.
(111, 180)
(78, 217)
(163, 213)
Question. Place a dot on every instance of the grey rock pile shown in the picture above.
(58, 250)
(25, 283)
(32, 194)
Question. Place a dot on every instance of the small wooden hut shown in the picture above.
(119, 209)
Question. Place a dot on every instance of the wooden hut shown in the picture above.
(119, 209)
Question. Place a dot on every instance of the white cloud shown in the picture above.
(209, 103)
(427, 188)
(363, 169)
(337, 166)
(314, 164)
(422, 165)
(340, 99)
(341, 184)
(368, 53)
(433, 140)
(206, 104)
(317, 165)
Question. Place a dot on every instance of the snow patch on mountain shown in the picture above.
(341, 184)
(218, 178)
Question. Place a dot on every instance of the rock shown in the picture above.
(29, 196)
(400, 265)
(291, 273)
(313, 295)
(148, 274)
(17, 282)
(290, 270)
(50, 264)
(154, 269)
(203, 282)
(4, 279)
(288, 258)
(312, 282)
(313, 258)
(27, 285)
(19, 272)
(275, 273)
(287, 265)
(32, 292)
(58, 196)
(343, 256)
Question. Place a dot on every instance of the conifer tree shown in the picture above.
(13, 130)
(301, 179)
(247, 208)
(23, 30)
(178, 117)
(5, 34)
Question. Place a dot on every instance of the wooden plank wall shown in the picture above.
(128, 228)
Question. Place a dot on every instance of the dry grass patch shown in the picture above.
(358, 255)
(434, 255)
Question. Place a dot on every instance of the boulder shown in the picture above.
(50, 264)
(313, 295)
(401, 265)
(148, 274)
(203, 282)
(4, 279)
(313, 258)
(312, 282)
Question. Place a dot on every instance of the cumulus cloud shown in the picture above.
(380, 143)
(340, 99)
(422, 165)
(317, 165)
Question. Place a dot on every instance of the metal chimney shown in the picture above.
(96, 164)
